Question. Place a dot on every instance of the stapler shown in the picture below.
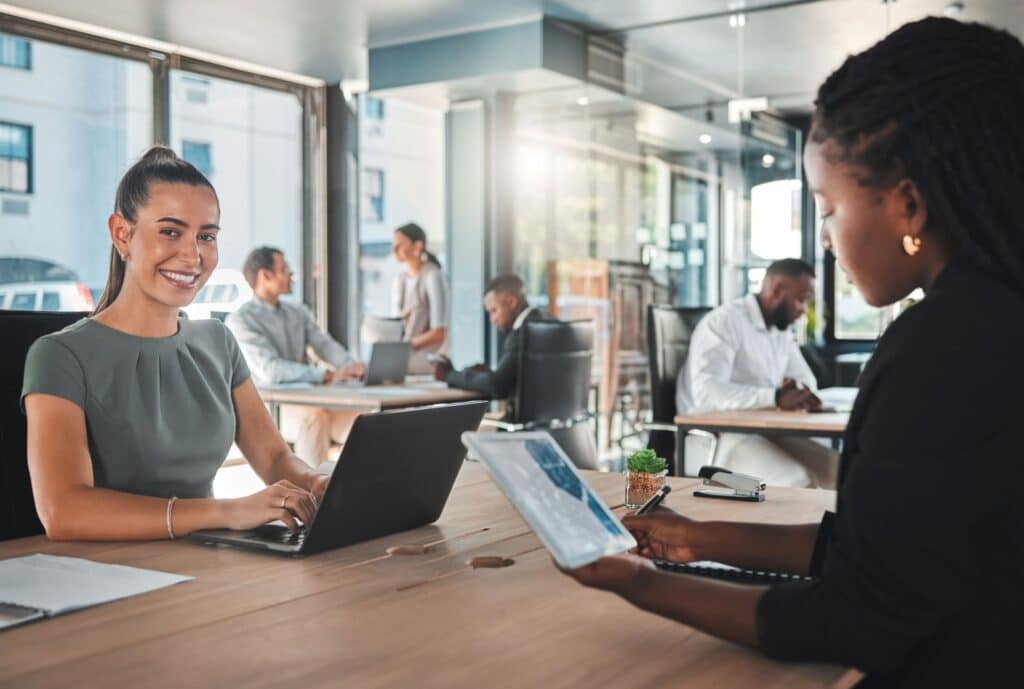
(736, 486)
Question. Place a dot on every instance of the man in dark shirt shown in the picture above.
(506, 305)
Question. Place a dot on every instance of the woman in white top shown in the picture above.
(420, 296)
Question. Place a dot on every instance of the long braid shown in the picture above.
(941, 102)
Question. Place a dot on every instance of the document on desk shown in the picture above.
(840, 399)
(289, 386)
(39, 585)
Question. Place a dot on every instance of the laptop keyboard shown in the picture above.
(280, 534)
(719, 571)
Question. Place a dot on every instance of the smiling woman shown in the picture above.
(162, 181)
(135, 407)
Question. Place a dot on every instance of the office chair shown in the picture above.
(553, 386)
(669, 329)
(21, 328)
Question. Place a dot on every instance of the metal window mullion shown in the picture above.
(314, 184)
(160, 66)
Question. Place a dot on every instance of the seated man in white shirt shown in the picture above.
(744, 356)
(274, 335)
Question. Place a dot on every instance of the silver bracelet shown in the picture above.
(170, 511)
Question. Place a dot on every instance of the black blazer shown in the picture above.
(500, 381)
(922, 565)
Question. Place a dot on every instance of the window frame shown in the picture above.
(161, 59)
(27, 67)
(29, 159)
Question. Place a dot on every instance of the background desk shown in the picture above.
(768, 422)
(369, 399)
(358, 617)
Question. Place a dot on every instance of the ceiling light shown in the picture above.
(737, 20)
(767, 160)
(582, 100)
(704, 139)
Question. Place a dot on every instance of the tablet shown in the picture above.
(544, 486)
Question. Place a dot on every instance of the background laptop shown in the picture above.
(389, 362)
(394, 473)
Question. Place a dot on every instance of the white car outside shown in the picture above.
(45, 296)
(224, 293)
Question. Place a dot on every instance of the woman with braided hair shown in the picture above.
(916, 158)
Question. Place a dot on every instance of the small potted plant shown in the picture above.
(645, 474)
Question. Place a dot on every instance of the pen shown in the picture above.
(654, 501)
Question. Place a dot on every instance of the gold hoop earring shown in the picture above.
(911, 245)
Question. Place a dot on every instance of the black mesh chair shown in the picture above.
(669, 329)
(554, 386)
(21, 328)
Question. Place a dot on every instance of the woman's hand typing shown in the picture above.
(283, 501)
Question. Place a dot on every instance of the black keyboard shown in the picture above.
(739, 576)
(279, 534)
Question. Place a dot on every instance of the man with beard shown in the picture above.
(744, 356)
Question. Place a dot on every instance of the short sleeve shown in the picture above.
(437, 294)
(51, 368)
(239, 369)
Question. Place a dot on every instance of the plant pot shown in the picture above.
(640, 486)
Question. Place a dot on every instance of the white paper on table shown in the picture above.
(57, 584)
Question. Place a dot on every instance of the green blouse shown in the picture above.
(158, 410)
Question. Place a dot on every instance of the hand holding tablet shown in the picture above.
(544, 486)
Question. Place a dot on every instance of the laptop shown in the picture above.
(389, 362)
(394, 473)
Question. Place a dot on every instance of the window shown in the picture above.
(51, 301)
(258, 175)
(373, 195)
(401, 179)
(90, 108)
(24, 301)
(15, 52)
(96, 109)
(199, 155)
(15, 157)
(855, 318)
(374, 108)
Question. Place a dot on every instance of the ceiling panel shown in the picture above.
(784, 51)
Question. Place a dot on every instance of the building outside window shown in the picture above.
(373, 195)
(15, 157)
(374, 108)
(402, 179)
(199, 154)
(15, 52)
(257, 132)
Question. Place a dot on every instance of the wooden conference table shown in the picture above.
(359, 617)
(768, 422)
